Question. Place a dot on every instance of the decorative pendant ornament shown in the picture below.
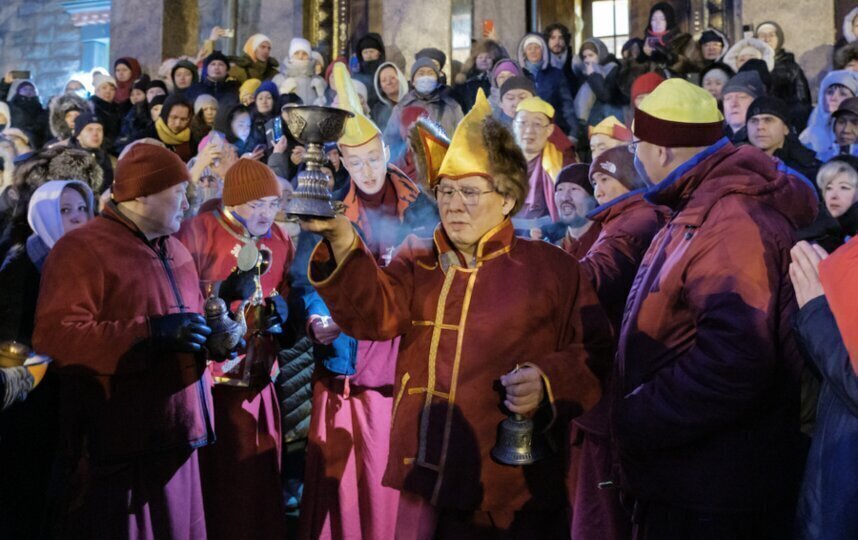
(248, 257)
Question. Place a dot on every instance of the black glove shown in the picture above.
(179, 332)
(238, 286)
(276, 313)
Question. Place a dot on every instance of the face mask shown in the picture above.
(426, 84)
(641, 170)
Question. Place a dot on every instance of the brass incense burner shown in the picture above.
(314, 126)
(226, 331)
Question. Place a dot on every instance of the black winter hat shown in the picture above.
(760, 66)
(173, 100)
(578, 174)
(190, 66)
(519, 82)
(216, 55)
(769, 105)
(142, 83)
(370, 41)
(84, 119)
(709, 36)
(157, 83)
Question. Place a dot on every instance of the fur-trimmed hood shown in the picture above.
(724, 40)
(403, 83)
(733, 54)
(58, 163)
(845, 54)
(59, 107)
(848, 32)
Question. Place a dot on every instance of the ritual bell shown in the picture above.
(516, 444)
(313, 126)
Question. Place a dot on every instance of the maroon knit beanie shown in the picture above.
(145, 170)
(248, 180)
(619, 164)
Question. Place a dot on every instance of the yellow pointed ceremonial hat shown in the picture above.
(678, 114)
(536, 105)
(359, 129)
(468, 155)
(613, 128)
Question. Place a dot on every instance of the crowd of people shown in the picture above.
(646, 255)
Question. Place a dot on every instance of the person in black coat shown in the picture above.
(215, 81)
(769, 130)
(788, 79)
(106, 110)
(28, 429)
(26, 110)
(89, 130)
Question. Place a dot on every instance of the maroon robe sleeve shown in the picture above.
(68, 324)
(367, 302)
(572, 373)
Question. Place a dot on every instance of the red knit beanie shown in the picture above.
(619, 164)
(645, 84)
(147, 169)
(248, 180)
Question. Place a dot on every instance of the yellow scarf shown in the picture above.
(168, 137)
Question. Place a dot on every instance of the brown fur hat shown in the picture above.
(508, 167)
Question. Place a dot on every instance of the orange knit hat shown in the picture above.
(145, 170)
(248, 180)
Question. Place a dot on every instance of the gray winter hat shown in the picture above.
(748, 82)
(424, 62)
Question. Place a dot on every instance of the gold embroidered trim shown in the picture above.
(405, 379)
(431, 323)
(454, 383)
(433, 356)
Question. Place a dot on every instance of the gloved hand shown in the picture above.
(238, 286)
(276, 313)
(179, 332)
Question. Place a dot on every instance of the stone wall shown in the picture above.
(809, 27)
(38, 35)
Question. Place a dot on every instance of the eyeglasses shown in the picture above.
(471, 196)
(532, 126)
(272, 206)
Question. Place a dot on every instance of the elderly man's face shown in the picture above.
(163, 211)
(846, 129)
(736, 108)
(469, 208)
(767, 132)
(532, 130)
(573, 204)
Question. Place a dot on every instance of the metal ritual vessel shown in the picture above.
(314, 126)
(226, 332)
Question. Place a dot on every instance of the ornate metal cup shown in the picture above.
(314, 126)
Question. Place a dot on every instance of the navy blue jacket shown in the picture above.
(829, 493)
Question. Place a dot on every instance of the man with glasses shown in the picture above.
(353, 380)
(490, 325)
(240, 255)
(533, 125)
(706, 417)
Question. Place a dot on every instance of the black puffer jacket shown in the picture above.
(295, 390)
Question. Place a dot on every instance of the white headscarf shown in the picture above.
(44, 215)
